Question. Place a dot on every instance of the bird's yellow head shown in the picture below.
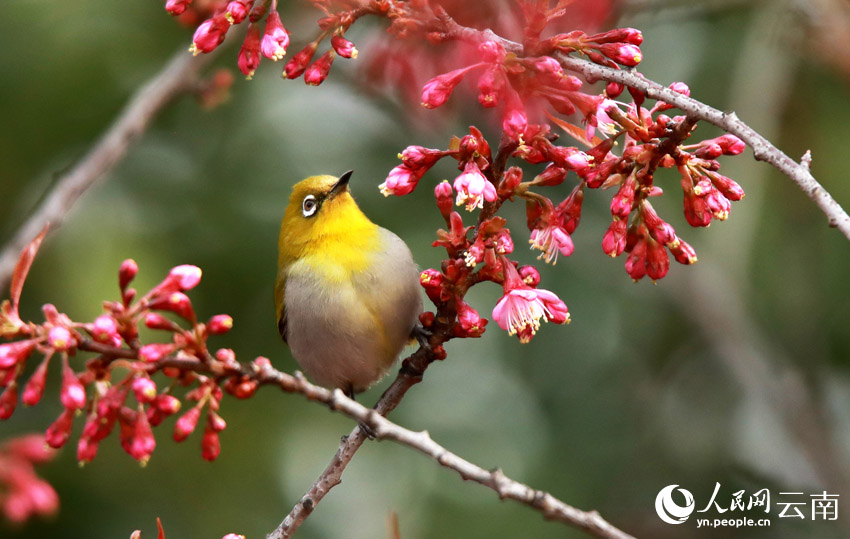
(321, 216)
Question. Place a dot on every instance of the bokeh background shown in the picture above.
(734, 370)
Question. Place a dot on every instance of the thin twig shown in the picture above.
(179, 75)
(763, 149)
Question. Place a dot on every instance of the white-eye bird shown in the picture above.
(347, 290)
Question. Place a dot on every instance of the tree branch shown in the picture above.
(549, 506)
(763, 149)
(179, 75)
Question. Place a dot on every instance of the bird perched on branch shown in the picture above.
(347, 290)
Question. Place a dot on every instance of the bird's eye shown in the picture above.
(309, 206)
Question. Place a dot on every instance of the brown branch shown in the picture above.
(763, 149)
(179, 75)
(549, 506)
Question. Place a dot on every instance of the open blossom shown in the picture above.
(275, 38)
(551, 240)
(521, 307)
(473, 188)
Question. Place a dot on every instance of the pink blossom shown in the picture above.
(401, 181)
(275, 38)
(249, 54)
(343, 47)
(551, 240)
(209, 35)
(520, 310)
(473, 188)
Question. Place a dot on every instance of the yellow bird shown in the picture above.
(347, 290)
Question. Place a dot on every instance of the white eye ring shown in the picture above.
(309, 206)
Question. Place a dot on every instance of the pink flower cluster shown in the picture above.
(116, 389)
(22, 493)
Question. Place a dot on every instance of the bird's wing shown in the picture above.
(280, 306)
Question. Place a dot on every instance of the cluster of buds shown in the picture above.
(22, 493)
(267, 37)
(116, 388)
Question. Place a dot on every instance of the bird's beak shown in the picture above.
(341, 184)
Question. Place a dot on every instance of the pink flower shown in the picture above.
(473, 188)
(415, 157)
(209, 34)
(275, 38)
(521, 308)
(401, 181)
(249, 54)
(152, 353)
(60, 338)
(186, 424)
(145, 389)
(551, 240)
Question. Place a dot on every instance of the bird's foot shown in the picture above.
(422, 335)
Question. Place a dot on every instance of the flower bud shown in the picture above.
(343, 47)
(237, 10)
(318, 71)
(59, 338)
(144, 389)
(34, 389)
(614, 240)
(104, 328)
(186, 276)
(14, 353)
(401, 181)
(73, 394)
(623, 53)
(683, 252)
(636, 262)
(210, 445)
(249, 55)
(657, 261)
(296, 66)
(492, 52)
(225, 355)
(167, 404)
(215, 421)
(210, 34)
(186, 424)
(220, 324)
(176, 7)
(176, 302)
(59, 431)
(151, 353)
(529, 275)
(157, 321)
(445, 198)
(437, 90)
(727, 186)
(9, 401)
(143, 443)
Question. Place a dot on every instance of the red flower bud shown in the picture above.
(237, 10)
(142, 443)
(176, 302)
(34, 389)
(401, 181)
(73, 394)
(636, 262)
(491, 85)
(657, 261)
(177, 7)
(343, 47)
(157, 321)
(152, 353)
(14, 353)
(529, 275)
(437, 90)
(614, 241)
(215, 422)
(683, 252)
(296, 66)
(59, 431)
(186, 424)
(209, 34)
(318, 70)
(167, 404)
(623, 53)
(9, 400)
(127, 272)
(445, 198)
(249, 55)
(492, 52)
(210, 445)
(727, 186)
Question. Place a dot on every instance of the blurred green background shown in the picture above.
(733, 371)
